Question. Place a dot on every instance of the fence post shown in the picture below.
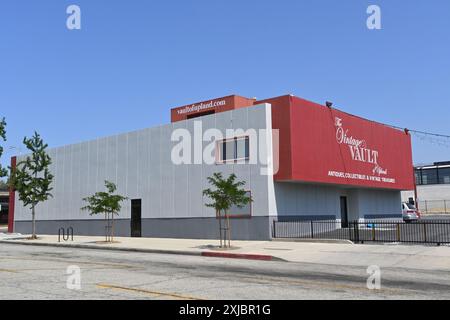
(398, 232)
(356, 231)
(274, 229)
(350, 231)
(59, 234)
(373, 231)
(312, 229)
(425, 231)
(71, 232)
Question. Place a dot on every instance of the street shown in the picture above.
(31, 272)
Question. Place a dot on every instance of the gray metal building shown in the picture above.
(169, 196)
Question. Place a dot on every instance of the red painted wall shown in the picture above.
(281, 120)
(331, 146)
(12, 198)
(217, 105)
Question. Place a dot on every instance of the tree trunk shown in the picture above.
(220, 229)
(33, 236)
(228, 230)
(33, 215)
(109, 228)
(112, 227)
(106, 228)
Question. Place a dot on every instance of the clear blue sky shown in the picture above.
(133, 60)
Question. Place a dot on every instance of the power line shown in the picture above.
(442, 140)
(422, 132)
(427, 133)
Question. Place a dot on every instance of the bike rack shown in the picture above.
(65, 237)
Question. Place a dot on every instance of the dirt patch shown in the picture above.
(32, 239)
(225, 249)
(106, 242)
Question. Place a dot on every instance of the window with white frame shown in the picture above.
(233, 149)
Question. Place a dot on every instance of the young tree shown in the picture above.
(32, 177)
(3, 171)
(226, 193)
(106, 203)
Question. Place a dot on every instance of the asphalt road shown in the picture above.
(28, 272)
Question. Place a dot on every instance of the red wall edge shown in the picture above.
(281, 120)
(12, 200)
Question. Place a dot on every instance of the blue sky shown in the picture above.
(134, 60)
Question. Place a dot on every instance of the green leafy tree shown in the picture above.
(3, 171)
(226, 193)
(32, 178)
(106, 203)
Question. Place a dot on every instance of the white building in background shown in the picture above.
(433, 187)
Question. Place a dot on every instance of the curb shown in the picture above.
(314, 240)
(87, 246)
(260, 257)
(158, 251)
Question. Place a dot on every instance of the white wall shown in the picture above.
(429, 192)
(140, 164)
(378, 202)
(296, 199)
(301, 199)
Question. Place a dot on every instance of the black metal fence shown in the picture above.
(424, 231)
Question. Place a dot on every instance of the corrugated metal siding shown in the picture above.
(140, 164)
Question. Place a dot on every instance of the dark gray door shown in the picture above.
(344, 212)
(136, 218)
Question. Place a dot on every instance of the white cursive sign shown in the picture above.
(358, 148)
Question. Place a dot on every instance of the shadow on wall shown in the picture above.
(297, 201)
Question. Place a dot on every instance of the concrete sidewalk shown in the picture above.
(397, 256)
